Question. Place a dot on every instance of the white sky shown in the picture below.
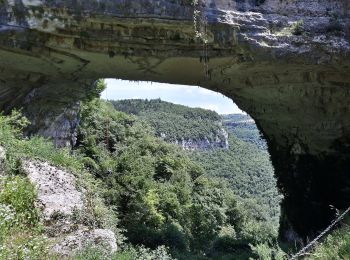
(191, 96)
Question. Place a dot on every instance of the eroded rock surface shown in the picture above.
(60, 202)
(218, 141)
(57, 192)
(285, 62)
(82, 238)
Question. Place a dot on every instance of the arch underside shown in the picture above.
(296, 87)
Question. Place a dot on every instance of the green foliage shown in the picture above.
(266, 252)
(20, 229)
(98, 87)
(171, 121)
(25, 246)
(335, 246)
(17, 147)
(245, 167)
(243, 127)
(249, 173)
(142, 253)
(18, 193)
(161, 196)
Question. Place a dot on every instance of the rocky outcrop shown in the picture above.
(82, 238)
(57, 192)
(285, 62)
(245, 129)
(218, 141)
(60, 202)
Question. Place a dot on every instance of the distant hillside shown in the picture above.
(190, 128)
(248, 171)
(244, 166)
(244, 128)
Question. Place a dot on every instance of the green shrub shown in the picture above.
(17, 147)
(92, 252)
(335, 246)
(266, 252)
(143, 253)
(19, 195)
(25, 246)
(128, 252)
(20, 229)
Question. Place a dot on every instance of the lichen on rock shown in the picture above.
(59, 200)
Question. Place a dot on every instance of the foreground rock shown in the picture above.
(285, 62)
(57, 193)
(60, 201)
(82, 238)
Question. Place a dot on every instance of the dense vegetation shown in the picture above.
(244, 128)
(246, 166)
(171, 121)
(248, 172)
(161, 196)
(21, 233)
(335, 246)
(21, 230)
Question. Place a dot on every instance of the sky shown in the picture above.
(191, 96)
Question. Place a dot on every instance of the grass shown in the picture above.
(38, 148)
(21, 232)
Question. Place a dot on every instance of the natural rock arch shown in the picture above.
(285, 62)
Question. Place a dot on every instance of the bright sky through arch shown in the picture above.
(191, 96)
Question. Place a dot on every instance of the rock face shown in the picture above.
(81, 238)
(244, 127)
(285, 62)
(219, 141)
(59, 201)
(56, 189)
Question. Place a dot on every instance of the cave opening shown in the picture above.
(241, 160)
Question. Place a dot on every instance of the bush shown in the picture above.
(143, 253)
(19, 194)
(335, 246)
(126, 253)
(25, 246)
(20, 229)
(266, 252)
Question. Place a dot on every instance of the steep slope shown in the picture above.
(46, 211)
(162, 196)
(336, 245)
(245, 165)
(244, 128)
(247, 170)
(191, 129)
(285, 62)
(59, 203)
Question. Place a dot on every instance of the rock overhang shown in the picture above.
(286, 63)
